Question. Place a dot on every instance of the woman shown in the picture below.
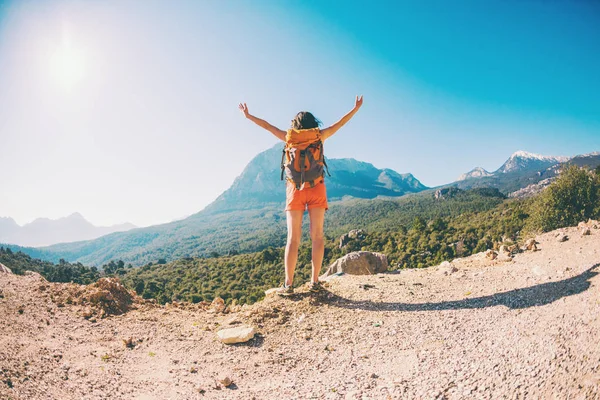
(299, 198)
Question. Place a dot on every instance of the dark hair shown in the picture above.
(305, 120)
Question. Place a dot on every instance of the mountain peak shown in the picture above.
(476, 172)
(76, 216)
(524, 160)
(533, 156)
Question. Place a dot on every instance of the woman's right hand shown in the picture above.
(244, 108)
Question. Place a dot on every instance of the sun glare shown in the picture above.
(67, 64)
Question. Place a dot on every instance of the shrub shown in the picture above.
(572, 198)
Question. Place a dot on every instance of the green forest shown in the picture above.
(415, 231)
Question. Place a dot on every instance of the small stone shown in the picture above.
(491, 254)
(200, 390)
(129, 343)
(561, 237)
(87, 313)
(585, 231)
(217, 305)
(238, 334)
(226, 381)
(530, 245)
(447, 268)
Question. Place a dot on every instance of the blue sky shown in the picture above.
(115, 108)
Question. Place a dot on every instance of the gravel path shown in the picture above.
(521, 329)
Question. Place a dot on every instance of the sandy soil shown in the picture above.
(526, 328)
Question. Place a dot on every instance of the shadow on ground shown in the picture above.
(532, 296)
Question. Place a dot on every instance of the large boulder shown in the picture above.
(4, 269)
(359, 263)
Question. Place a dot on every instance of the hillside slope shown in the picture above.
(527, 328)
(252, 230)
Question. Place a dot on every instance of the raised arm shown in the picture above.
(262, 123)
(327, 132)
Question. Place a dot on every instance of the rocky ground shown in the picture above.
(477, 328)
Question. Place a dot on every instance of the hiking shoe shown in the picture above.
(315, 287)
(285, 290)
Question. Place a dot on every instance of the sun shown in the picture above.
(67, 64)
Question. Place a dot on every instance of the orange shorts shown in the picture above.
(315, 197)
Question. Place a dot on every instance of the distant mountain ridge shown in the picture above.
(45, 231)
(521, 170)
(522, 160)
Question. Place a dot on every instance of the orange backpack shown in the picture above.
(302, 160)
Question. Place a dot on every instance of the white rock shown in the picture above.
(4, 269)
(238, 334)
(447, 268)
(271, 292)
(359, 263)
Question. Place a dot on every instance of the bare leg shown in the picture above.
(294, 225)
(317, 218)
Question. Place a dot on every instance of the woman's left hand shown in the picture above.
(359, 101)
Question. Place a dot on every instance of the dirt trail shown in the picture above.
(527, 328)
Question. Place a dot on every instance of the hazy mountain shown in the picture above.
(44, 231)
(8, 227)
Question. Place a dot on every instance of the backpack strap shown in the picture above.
(282, 162)
(302, 161)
